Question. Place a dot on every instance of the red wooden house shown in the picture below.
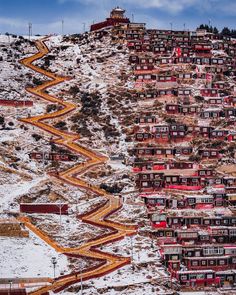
(209, 153)
(209, 92)
(47, 208)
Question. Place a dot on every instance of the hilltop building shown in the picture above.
(117, 17)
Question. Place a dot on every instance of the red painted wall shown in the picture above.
(44, 208)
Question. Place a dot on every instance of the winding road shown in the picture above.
(97, 217)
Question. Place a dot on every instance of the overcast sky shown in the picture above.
(47, 15)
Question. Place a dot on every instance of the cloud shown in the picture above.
(11, 22)
(171, 6)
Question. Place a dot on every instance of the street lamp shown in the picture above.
(10, 283)
(54, 263)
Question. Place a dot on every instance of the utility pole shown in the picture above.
(54, 263)
(30, 30)
(84, 27)
(62, 27)
(171, 26)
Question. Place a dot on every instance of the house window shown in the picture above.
(203, 262)
(145, 184)
(183, 278)
(222, 262)
(209, 276)
(194, 263)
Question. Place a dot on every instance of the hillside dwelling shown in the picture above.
(209, 92)
(200, 201)
(146, 47)
(146, 95)
(161, 128)
(53, 157)
(145, 77)
(146, 60)
(178, 131)
(134, 59)
(164, 78)
(229, 181)
(184, 76)
(172, 108)
(211, 113)
(220, 85)
(198, 278)
(184, 59)
(149, 181)
(160, 49)
(165, 92)
(143, 136)
(133, 35)
(205, 131)
(146, 120)
(214, 262)
(162, 152)
(47, 208)
(231, 51)
(16, 103)
(184, 92)
(117, 17)
(206, 172)
(202, 47)
(144, 67)
(230, 100)
(139, 166)
(223, 234)
(164, 60)
(209, 153)
(202, 60)
(178, 182)
(183, 151)
(180, 165)
(161, 132)
(217, 61)
(215, 69)
(229, 112)
(214, 100)
(218, 134)
(10, 227)
(227, 277)
(189, 109)
(171, 252)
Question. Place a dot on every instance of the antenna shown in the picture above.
(30, 30)
(62, 27)
(171, 26)
(184, 26)
(132, 17)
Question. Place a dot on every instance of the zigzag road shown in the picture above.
(99, 216)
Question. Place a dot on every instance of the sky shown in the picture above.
(46, 15)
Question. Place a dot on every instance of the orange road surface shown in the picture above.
(99, 216)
